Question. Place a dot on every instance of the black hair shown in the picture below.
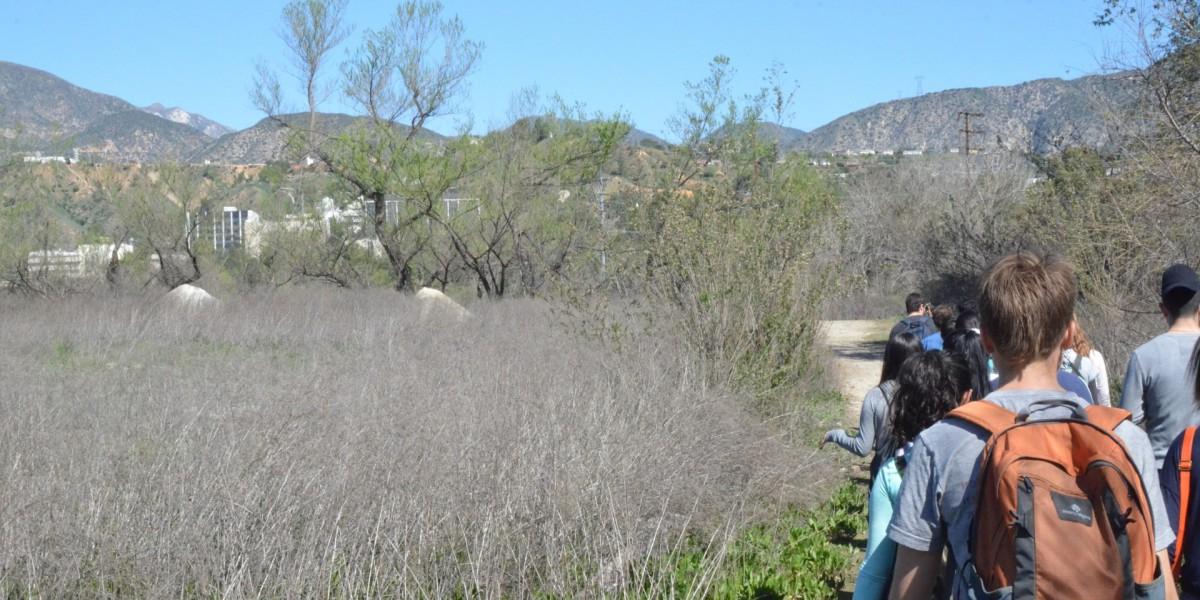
(913, 302)
(1181, 302)
(898, 349)
(970, 345)
(967, 320)
(931, 385)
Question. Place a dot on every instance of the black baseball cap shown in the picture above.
(1179, 277)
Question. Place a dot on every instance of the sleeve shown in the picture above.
(864, 442)
(1143, 457)
(1101, 393)
(1132, 390)
(1168, 483)
(917, 520)
(876, 571)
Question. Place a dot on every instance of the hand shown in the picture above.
(825, 440)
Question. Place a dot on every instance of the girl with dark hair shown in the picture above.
(1170, 478)
(872, 420)
(930, 386)
(969, 344)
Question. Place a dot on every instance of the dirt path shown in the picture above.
(858, 357)
(857, 348)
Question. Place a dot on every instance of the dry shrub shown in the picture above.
(322, 444)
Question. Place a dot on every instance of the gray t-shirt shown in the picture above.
(1158, 390)
(873, 431)
(938, 495)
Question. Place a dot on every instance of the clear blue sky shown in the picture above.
(627, 55)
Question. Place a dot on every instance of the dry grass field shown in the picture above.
(311, 444)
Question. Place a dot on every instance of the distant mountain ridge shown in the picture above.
(1038, 116)
(39, 111)
(196, 121)
(42, 112)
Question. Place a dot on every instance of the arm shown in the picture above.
(864, 442)
(915, 574)
(1102, 394)
(1132, 390)
(1164, 565)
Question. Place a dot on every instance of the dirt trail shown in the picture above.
(858, 357)
(857, 348)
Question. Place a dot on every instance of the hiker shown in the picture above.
(873, 433)
(1181, 493)
(954, 495)
(969, 344)
(944, 319)
(917, 322)
(929, 386)
(1084, 361)
(968, 320)
(1156, 389)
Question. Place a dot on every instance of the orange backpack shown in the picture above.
(1062, 511)
(1185, 491)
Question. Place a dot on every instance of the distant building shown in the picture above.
(229, 228)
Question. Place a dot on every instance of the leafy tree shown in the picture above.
(403, 74)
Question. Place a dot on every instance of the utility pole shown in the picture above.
(967, 132)
(603, 238)
(920, 84)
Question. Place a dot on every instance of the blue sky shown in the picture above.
(619, 55)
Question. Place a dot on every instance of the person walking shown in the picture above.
(1084, 361)
(873, 434)
(917, 321)
(1181, 493)
(1156, 390)
(930, 385)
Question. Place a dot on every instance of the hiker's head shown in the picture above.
(969, 344)
(898, 349)
(1179, 293)
(1083, 344)
(943, 317)
(1027, 306)
(968, 320)
(914, 302)
(931, 385)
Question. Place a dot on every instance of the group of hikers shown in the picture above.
(1003, 466)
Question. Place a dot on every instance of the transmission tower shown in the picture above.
(920, 84)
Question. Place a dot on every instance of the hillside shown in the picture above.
(1037, 116)
(267, 140)
(38, 109)
(137, 136)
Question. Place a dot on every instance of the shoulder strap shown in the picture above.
(1185, 489)
(1106, 417)
(989, 416)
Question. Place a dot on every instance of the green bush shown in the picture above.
(801, 554)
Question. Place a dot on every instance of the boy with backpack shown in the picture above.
(917, 321)
(1035, 493)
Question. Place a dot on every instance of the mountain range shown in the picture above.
(42, 112)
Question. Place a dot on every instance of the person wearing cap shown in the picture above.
(1157, 389)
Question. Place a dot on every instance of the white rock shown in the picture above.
(190, 297)
(435, 304)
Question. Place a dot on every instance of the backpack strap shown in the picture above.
(989, 416)
(1185, 489)
(1106, 417)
